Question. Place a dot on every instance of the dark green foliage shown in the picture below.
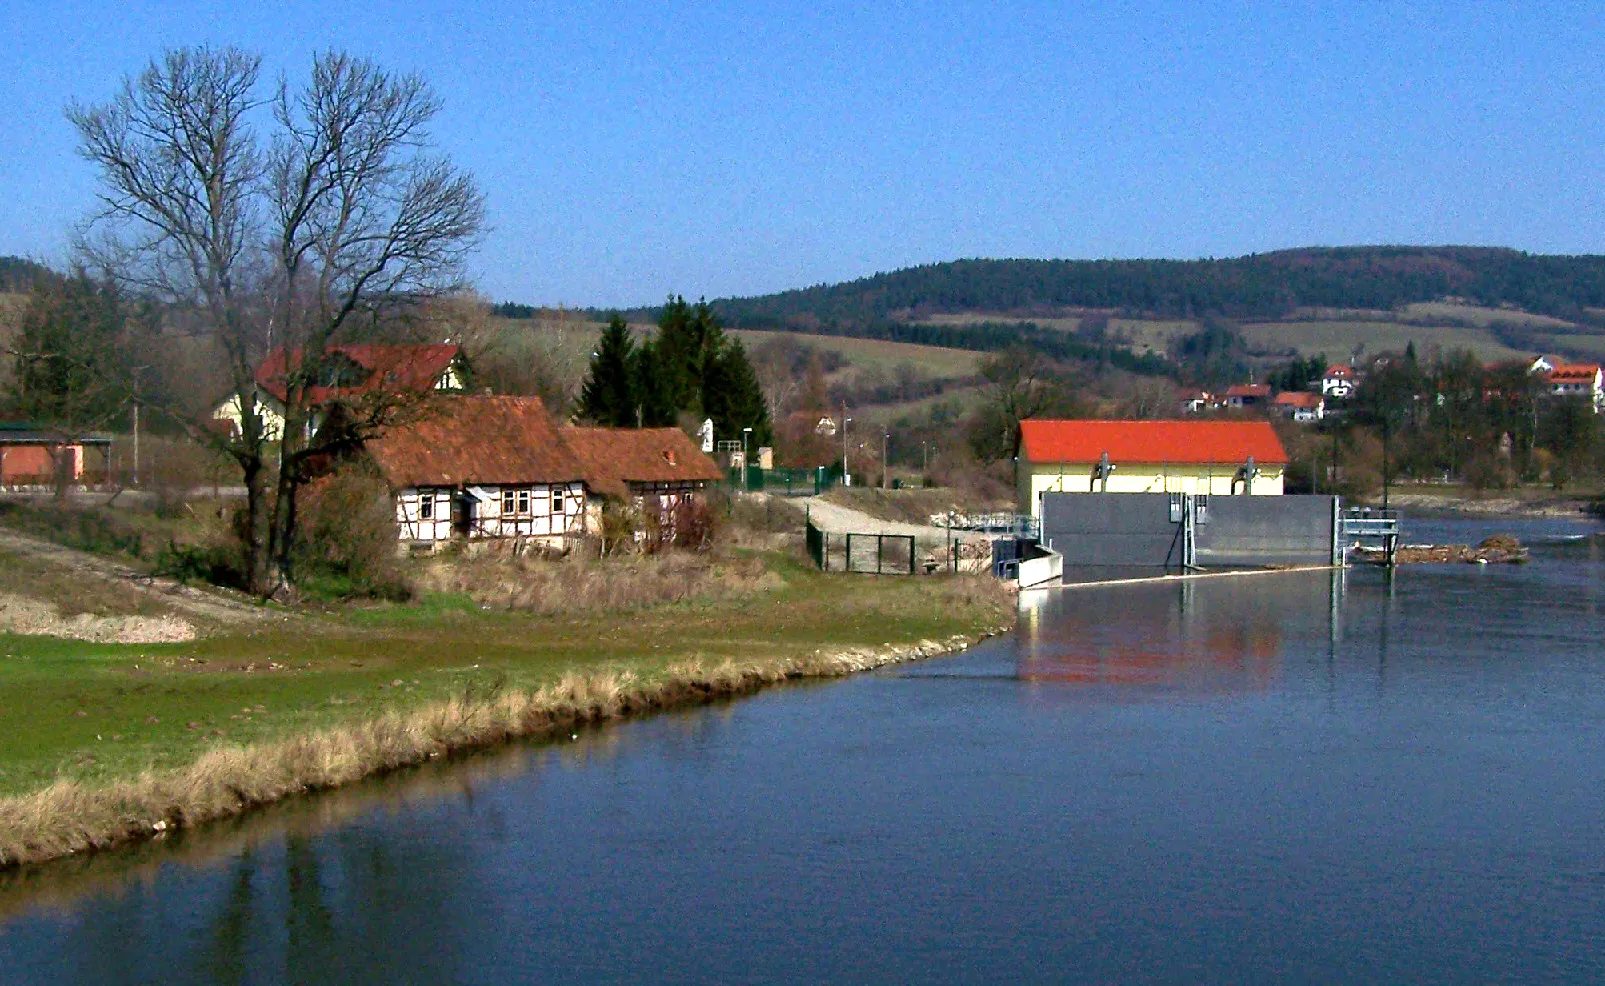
(609, 396)
(656, 408)
(733, 398)
(690, 367)
(1215, 354)
(1258, 286)
(1299, 373)
(209, 564)
(69, 370)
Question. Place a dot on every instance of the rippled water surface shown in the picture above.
(1292, 777)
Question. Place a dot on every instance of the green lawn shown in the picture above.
(96, 712)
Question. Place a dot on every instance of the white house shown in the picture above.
(1300, 406)
(1338, 381)
(1579, 380)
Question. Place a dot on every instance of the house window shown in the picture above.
(523, 502)
(426, 505)
(507, 503)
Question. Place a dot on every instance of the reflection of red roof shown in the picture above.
(612, 458)
(1177, 442)
(491, 440)
(1297, 398)
(402, 368)
(1574, 373)
(1249, 390)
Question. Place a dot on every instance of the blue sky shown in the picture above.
(631, 150)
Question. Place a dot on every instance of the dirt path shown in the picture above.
(196, 603)
(836, 518)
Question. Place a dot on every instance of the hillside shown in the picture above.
(1258, 287)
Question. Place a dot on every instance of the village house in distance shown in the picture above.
(1199, 457)
(348, 373)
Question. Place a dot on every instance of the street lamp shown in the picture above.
(746, 463)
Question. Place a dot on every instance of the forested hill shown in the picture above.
(17, 275)
(1258, 286)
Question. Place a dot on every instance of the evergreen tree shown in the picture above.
(68, 369)
(734, 399)
(611, 395)
(654, 406)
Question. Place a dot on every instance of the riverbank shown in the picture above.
(112, 743)
(1454, 502)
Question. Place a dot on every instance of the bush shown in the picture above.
(212, 563)
(346, 540)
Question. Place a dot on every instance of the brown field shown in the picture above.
(1338, 339)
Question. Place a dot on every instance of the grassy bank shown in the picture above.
(108, 743)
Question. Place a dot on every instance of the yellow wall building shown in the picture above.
(1146, 457)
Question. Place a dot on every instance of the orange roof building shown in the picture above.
(636, 462)
(1146, 457)
(497, 467)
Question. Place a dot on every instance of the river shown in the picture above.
(1287, 777)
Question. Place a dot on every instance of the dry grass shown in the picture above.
(70, 818)
(582, 584)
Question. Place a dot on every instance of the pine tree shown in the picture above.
(654, 406)
(735, 399)
(611, 394)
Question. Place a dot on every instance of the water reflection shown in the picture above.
(1216, 635)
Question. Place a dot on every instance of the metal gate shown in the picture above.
(874, 554)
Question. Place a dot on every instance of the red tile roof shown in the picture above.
(1249, 390)
(1297, 398)
(404, 368)
(477, 439)
(1339, 370)
(1159, 442)
(1574, 373)
(612, 458)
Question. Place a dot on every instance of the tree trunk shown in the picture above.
(258, 560)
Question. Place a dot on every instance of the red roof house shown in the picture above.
(1190, 456)
(1248, 395)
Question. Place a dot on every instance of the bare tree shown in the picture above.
(363, 220)
(180, 172)
(342, 217)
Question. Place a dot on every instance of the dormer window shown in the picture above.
(668, 456)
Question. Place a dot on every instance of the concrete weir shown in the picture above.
(1182, 532)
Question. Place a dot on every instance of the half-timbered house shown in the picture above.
(654, 469)
(483, 467)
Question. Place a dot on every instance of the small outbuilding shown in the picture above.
(1198, 457)
(31, 456)
(653, 469)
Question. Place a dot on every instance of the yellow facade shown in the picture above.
(268, 410)
(1037, 478)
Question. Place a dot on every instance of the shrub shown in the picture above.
(216, 564)
(346, 541)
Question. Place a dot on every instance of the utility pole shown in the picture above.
(136, 372)
(886, 460)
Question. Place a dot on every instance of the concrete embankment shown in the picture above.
(70, 818)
